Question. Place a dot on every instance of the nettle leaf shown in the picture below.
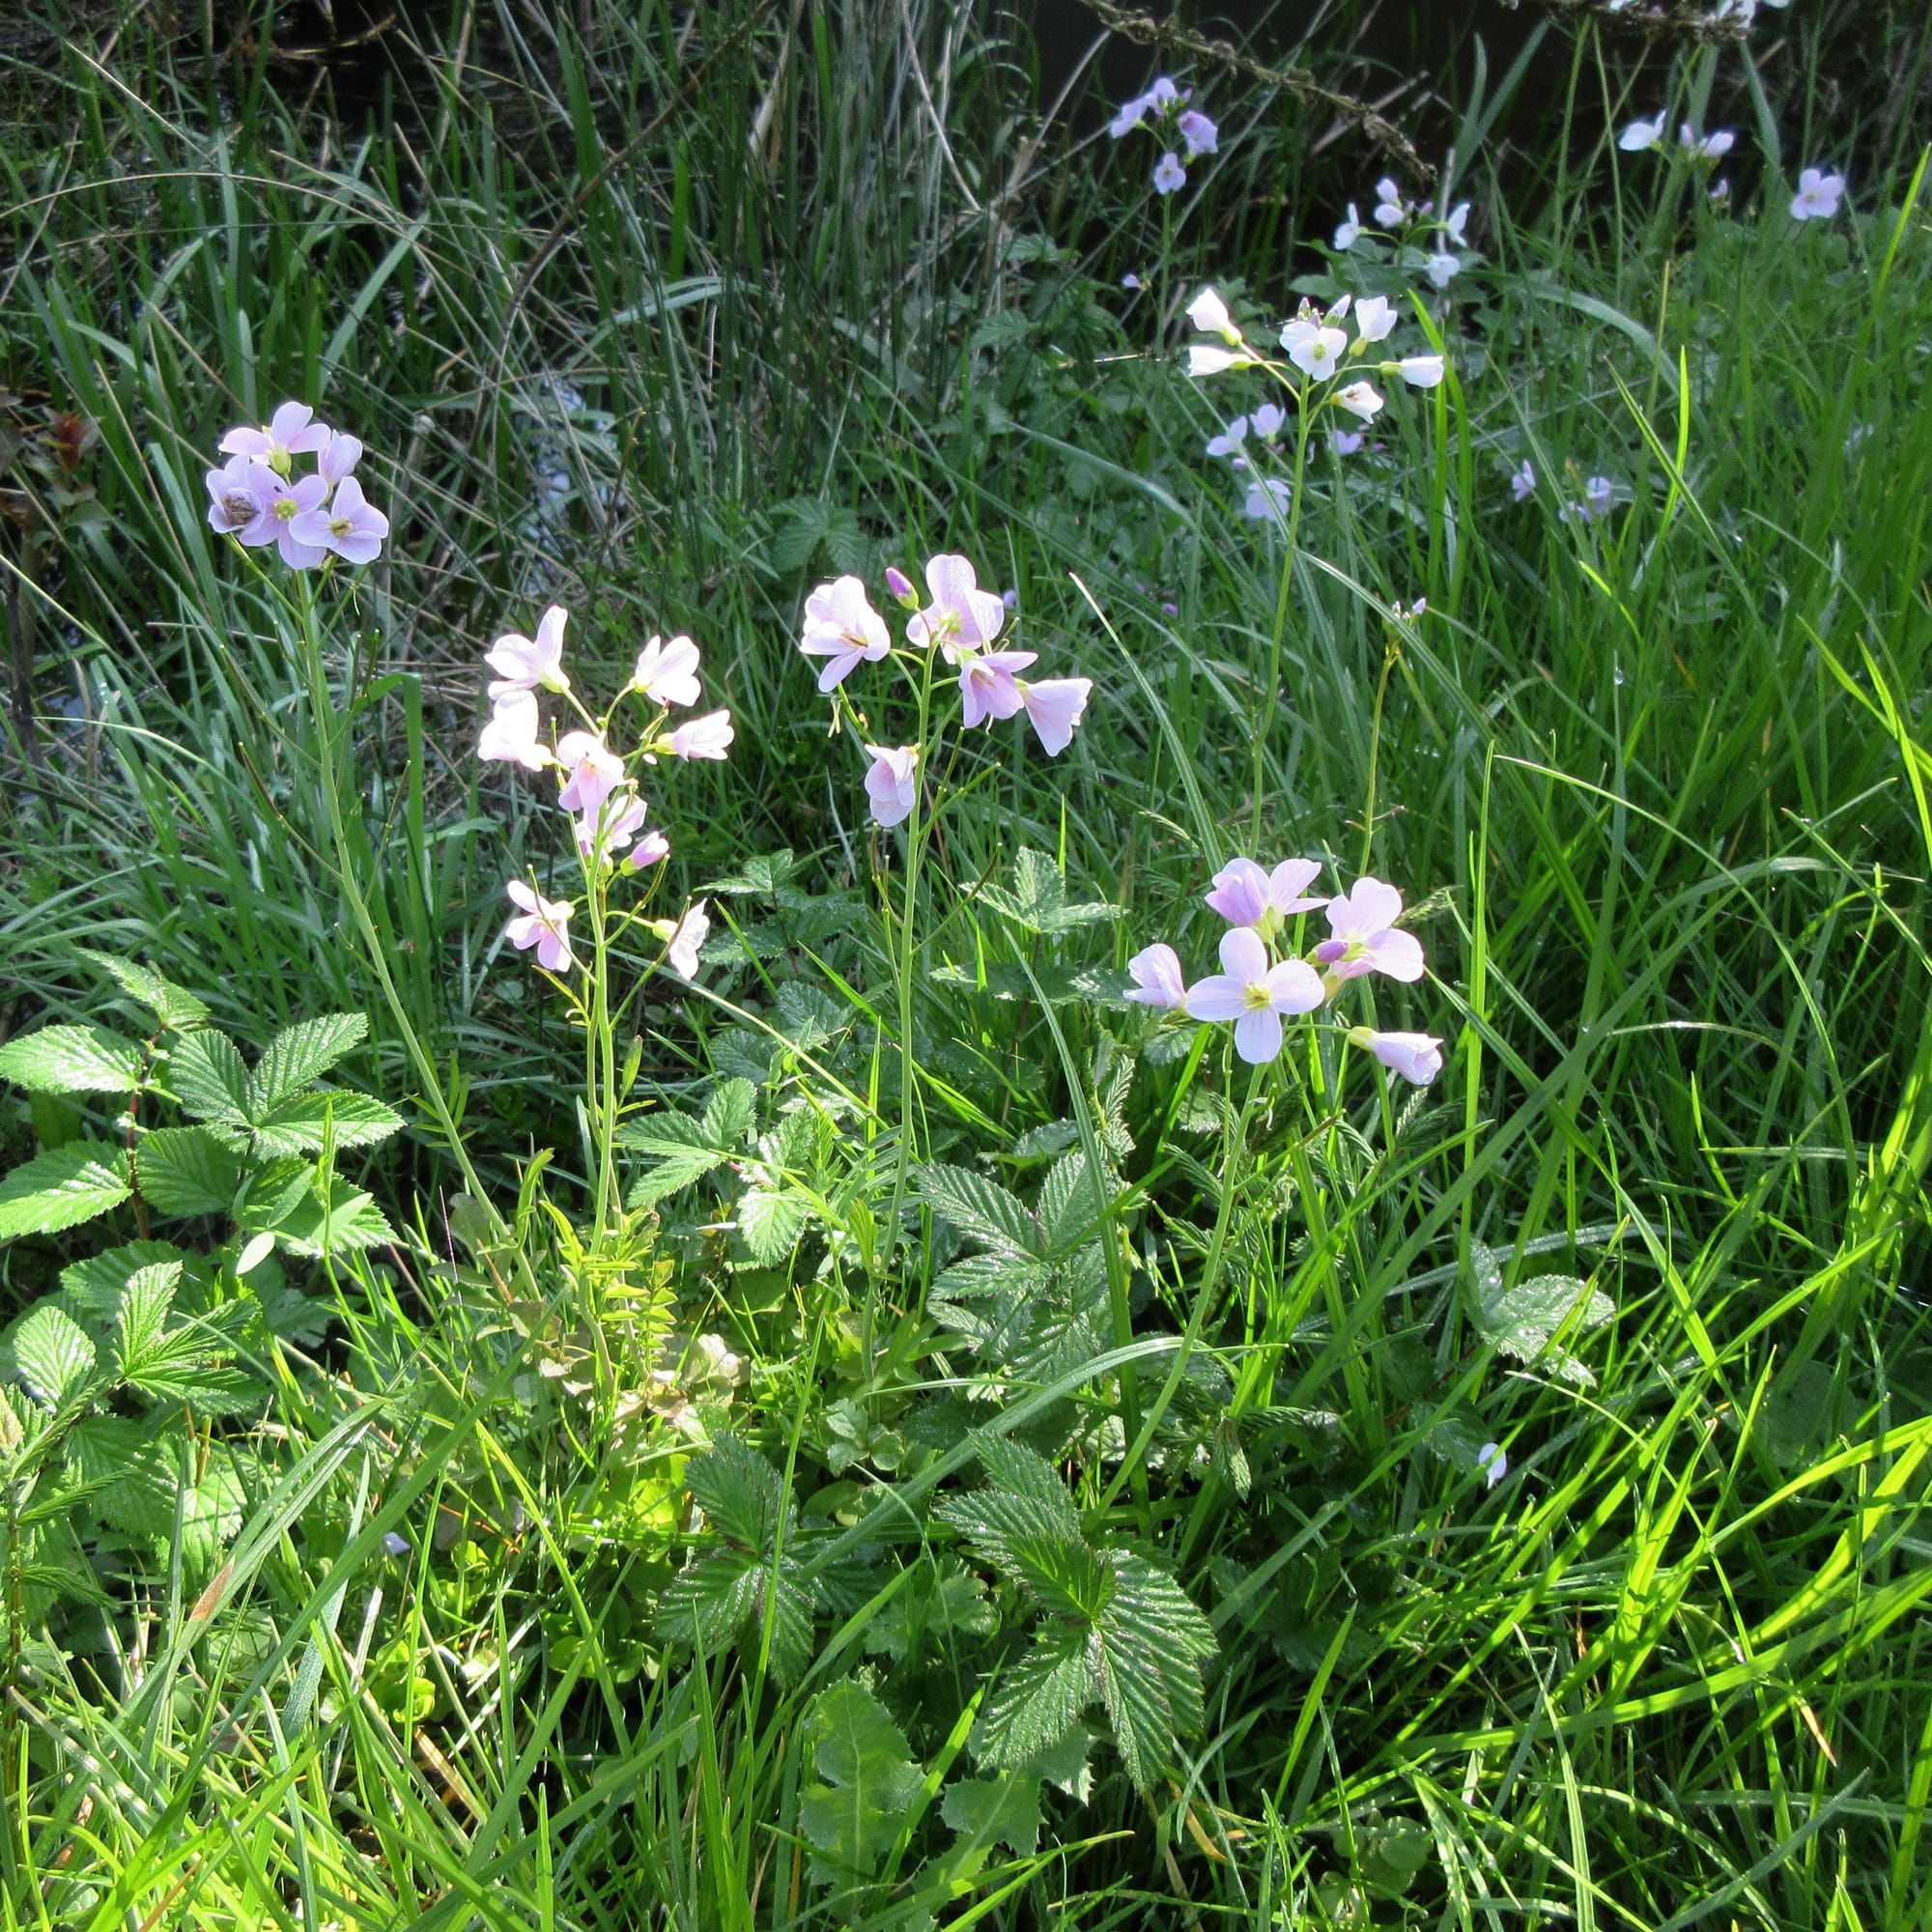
(130, 1478)
(307, 1123)
(1523, 1322)
(298, 1056)
(686, 1149)
(188, 1170)
(175, 1008)
(1071, 1209)
(980, 1208)
(1037, 901)
(146, 1299)
(808, 1016)
(854, 1817)
(208, 1076)
(52, 1354)
(62, 1187)
(73, 1060)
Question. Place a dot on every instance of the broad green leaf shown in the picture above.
(999, 1525)
(62, 1187)
(988, 1811)
(169, 1003)
(273, 1193)
(92, 1289)
(738, 1492)
(299, 1055)
(128, 1472)
(729, 1113)
(1036, 1704)
(186, 1171)
(687, 1151)
(1071, 1209)
(345, 1218)
(771, 1220)
(980, 1208)
(207, 1076)
(306, 1123)
(1523, 1322)
(52, 1354)
(854, 1816)
(668, 1175)
(73, 1060)
(142, 1316)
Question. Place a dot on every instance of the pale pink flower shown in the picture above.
(339, 456)
(511, 735)
(1054, 709)
(706, 737)
(285, 436)
(1158, 981)
(1244, 895)
(1443, 267)
(1360, 400)
(1365, 939)
(1641, 134)
(1169, 176)
(543, 924)
(1254, 994)
(1313, 347)
(667, 674)
(287, 502)
(900, 585)
(1416, 1056)
(841, 626)
(1816, 200)
(892, 783)
(687, 941)
(240, 494)
(1347, 233)
(525, 664)
(1205, 360)
(961, 615)
(987, 687)
(1199, 135)
(592, 771)
(613, 826)
(652, 849)
(351, 526)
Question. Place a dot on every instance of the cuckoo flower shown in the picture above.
(706, 737)
(1267, 421)
(901, 587)
(543, 924)
(1416, 1056)
(1244, 895)
(1204, 359)
(1365, 936)
(1493, 1463)
(1391, 210)
(286, 434)
(1347, 233)
(612, 825)
(1158, 98)
(351, 526)
(1199, 135)
(339, 456)
(1227, 444)
(1313, 347)
(652, 849)
(667, 674)
(1707, 147)
(1209, 313)
(1641, 134)
(1157, 979)
(1169, 176)
(987, 687)
(592, 771)
(1361, 400)
(238, 494)
(525, 664)
(961, 615)
(288, 503)
(685, 941)
(1268, 500)
(892, 783)
(511, 735)
(1254, 994)
(1816, 200)
(1421, 372)
(1442, 267)
(1054, 707)
(1375, 318)
(1522, 480)
(841, 626)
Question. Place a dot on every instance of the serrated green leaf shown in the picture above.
(729, 1113)
(62, 1187)
(771, 1220)
(989, 1811)
(854, 1816)
(298, 1056)
(1072, 1209)
(1021, 1473)
(273, 1193)
(672, 1135)
(333, 1220)
(92, 1289)
(738, 1491)
(186, 1171)
(141, 1318)
(668, 1175)
(1523, 1322)
(73, 1060)
(127, 1472)
(980, 1208)
(1039, 1700)
(207, 1076)
(307, 1123)
(175, 1008)
(999, 1525)
(52, 1354)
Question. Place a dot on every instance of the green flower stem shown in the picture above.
(1304, 417)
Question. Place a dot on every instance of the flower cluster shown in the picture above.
(1413, 223)
(1328, 354)
(1261, 979)
(1179, 129)
(1642, 135)
(962, 623)
(257, 498)
(594, 780)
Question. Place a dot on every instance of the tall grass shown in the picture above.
(667, 315)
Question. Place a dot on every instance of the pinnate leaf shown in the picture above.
(61, 1187)
(73, 1060)
(175, 1008)
(980, 1208)
(1523, 1322)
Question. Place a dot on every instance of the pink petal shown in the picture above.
(1257, 1035)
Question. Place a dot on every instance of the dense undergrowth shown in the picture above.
(887, 1430)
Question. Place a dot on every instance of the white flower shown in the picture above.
(1169, 176)
(1267, 421)
(1348, 232)
(1712, 148)
(1205, 360)
(1360, 401)
(1209, 313)
(1818, 195)
(1641, 134)
(1421, 372)
(686, 939)
(1493, 1463)
(1522, 480)
(1416, 1056)
(1313, 347)
(1229, 441)
(1455, 221)
(1268, 500)
(1373, 320)
(511, 734)
(1391, 210)
(1443, 268)
(667, 674)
